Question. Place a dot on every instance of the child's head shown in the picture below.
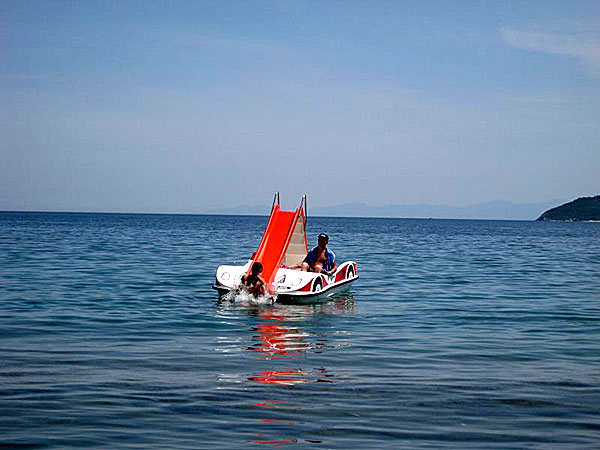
(257, 268)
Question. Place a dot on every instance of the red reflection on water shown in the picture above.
(276, 339)
(276, 404)
(279, 341)
(272, 404)
(287, 377)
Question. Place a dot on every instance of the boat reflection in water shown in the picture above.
(281, 336)
(276, 340)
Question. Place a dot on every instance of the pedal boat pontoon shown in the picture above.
(284, 245)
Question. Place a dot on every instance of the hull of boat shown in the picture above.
(292, 285)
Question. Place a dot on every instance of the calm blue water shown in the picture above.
(459, 334)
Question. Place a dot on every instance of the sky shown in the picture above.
(156, 106)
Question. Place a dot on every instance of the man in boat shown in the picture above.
(320, 259)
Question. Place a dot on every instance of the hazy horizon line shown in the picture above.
(244, 215)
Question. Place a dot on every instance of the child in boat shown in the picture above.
(254, 283)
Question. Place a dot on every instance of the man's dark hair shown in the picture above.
(256, 268)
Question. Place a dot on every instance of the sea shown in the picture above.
(459, 334)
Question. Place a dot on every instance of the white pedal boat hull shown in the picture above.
(290, 284)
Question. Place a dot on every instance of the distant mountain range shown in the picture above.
(488, 210)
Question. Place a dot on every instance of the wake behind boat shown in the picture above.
(284, 245)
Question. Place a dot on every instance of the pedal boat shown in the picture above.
(284, 244)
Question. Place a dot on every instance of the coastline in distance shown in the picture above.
(488, 210)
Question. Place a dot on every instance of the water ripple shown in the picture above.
(459, 334)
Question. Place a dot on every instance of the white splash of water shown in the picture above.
(243, 297)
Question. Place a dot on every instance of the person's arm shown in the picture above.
(334, 266)
(242, 283)
(306, 258)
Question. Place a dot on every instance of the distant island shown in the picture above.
(582, 209)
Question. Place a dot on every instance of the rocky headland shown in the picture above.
(581, 209)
